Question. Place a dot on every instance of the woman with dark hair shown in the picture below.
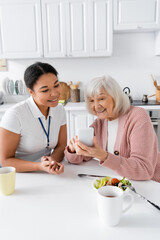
(33, 132)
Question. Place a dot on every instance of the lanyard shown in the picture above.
(47, 134)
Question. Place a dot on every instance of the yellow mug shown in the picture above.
(7, 180)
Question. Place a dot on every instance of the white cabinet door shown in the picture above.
(157, 43)
(136, 14)
(101, 30)
(78, 119)
(77, 28)
(65, 28)
(20, 29)
(54, 29)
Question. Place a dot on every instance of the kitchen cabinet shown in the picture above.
(77, 28)
(83, 28)
(54, 31)
(70, 28)
(77, 117)
(101, 28)
(65, 28)
(136, 14)
(20, 29)
(55, 28)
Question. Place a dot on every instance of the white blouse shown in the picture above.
(112, 134)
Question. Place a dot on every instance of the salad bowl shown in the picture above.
(120, 182)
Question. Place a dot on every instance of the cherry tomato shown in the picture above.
(114, 181)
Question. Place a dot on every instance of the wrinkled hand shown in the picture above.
(72, 145)
(51, 166)
(95, 152)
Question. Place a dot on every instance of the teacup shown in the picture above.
(7, 180)
(110, 201)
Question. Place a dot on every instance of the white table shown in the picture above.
(46, 207)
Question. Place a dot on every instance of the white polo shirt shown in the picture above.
(22, 119)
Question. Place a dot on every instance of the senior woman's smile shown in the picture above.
(102, 105)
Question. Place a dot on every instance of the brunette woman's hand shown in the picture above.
(51, 166)
(56, 167)
(44, 164)
(95, 152)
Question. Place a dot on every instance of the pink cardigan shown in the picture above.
(136, 143)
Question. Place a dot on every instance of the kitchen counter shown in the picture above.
(75, 106)
(64, 206)
(81, 105)
(151, 104)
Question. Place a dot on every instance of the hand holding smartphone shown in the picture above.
(85, 135)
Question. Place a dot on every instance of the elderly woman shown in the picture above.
(124, 140)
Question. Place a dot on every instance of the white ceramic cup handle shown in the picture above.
(130, 202)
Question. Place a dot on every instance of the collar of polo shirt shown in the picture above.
(35, 110)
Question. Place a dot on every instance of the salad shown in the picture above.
(121, 183)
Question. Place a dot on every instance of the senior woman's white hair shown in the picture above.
(93, 88)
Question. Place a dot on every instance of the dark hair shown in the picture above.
(35, 71)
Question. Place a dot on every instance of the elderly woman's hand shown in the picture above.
(96, 151)
(72, 145)
(51, 166)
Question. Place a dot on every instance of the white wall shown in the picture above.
(131, 64)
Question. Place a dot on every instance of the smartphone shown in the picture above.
(85, 135)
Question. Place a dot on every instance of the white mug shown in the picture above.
(110, 204)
